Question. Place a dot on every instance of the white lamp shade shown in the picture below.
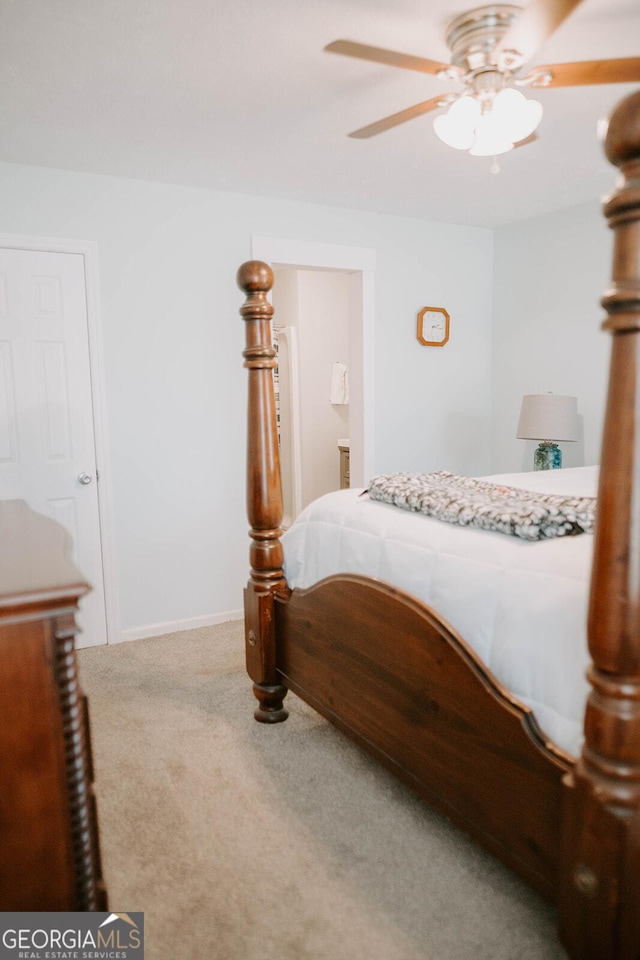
(548, 416)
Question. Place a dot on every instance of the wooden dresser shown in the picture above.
(48, 826)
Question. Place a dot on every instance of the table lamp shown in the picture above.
(548, 417)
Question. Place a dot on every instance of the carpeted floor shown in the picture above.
(247, 842)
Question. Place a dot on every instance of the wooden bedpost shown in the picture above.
(264, 494)
(600, 883)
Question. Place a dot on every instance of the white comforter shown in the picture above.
(522, 606)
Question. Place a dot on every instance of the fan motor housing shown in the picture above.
(473, 36)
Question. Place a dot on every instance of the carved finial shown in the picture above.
(254, 276)
(622, 142)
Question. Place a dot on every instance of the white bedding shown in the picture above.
(521, 606)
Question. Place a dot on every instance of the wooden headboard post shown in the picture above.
(264, 494)
(600, 883)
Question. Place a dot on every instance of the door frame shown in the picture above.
(361, 260)
(88, 249)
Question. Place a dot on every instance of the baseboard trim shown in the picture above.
(176, 626)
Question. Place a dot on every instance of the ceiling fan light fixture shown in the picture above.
(456, 127)
(491, 127)
(490, 138)
(453, 136)
(465, 110)
(516, 116)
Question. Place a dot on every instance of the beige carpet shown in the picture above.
(246, 842)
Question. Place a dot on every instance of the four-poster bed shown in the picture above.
(389, 670)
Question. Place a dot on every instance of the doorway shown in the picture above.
(311, 324)
(354, 270)
(51, 443)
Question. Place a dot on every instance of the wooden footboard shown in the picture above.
(389, 672)
(385, 669)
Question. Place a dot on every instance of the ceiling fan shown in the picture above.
(489, 48)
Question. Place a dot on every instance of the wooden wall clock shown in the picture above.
(433, 326)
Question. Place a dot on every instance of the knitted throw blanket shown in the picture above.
(488, 506)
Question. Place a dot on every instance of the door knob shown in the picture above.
(85, 478)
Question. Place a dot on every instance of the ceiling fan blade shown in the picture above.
(530, 139)
(388, 57)
(625, 70)
(534, 25)
(396, 118)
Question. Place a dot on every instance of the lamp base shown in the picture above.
(548, 456)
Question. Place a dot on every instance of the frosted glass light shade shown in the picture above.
(548, 416)
(516, 116)
(459, 139)
(456, 127)
(490, 139)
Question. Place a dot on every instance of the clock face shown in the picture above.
(433, 326)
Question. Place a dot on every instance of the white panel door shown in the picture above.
(46, 416)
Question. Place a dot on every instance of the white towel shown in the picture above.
(339, 384)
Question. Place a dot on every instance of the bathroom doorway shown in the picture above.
(312, 323)
(323, 302)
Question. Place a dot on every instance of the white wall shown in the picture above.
(550, 273)
(174, 379)
(431, 409)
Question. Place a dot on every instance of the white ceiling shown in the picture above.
(238, 95)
